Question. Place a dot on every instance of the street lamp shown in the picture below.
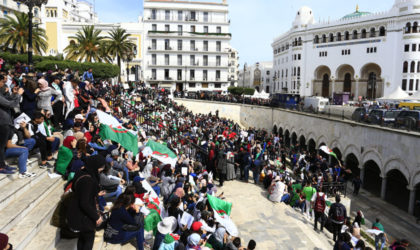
(31, 4)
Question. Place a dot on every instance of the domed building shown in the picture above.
(364, 54)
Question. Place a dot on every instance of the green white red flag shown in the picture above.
(222, 211)
(160, 152)
(328, 151)
(121, 135)
(153, 205)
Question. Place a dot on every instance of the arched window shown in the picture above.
(331, 37)
(405, 67)
(300, 41)
(413, 67)
(298, 71)
(408, 28)
(372, 32)
(282, 73)
(324, 38)
(354, 34)
(418, 67)
(339, 36)
(294, 71)
(415, 26)
(363, 33)
(316, 39)
(346, 36)
(382, 31)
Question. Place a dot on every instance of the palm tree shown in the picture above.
(86, 46)
(119, 45)
(14, 35)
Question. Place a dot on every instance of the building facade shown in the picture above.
(187, 45)
(233, 67)
(258, 76)
(364, 54)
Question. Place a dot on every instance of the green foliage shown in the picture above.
(241, 91)
(100, 70)
(11, 59)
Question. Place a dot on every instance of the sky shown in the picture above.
(254, 23)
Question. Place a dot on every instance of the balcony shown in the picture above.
(159, 33)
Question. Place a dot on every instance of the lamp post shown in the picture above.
(128, 58)
(31, 4)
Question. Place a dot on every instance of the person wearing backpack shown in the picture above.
(318, 199)
(337, 215)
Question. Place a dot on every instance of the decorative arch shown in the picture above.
(415, 180)
(309, 136)
(301, 133)
(321, 70)
(373, 155)
(398, 164)
(335, 144)
(320, 140)
(351, 149)
(344, 69)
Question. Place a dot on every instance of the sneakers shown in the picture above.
(26, 175)
(5, 171)
(47, 165)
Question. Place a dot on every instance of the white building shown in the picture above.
(364, 54)
(233, 60)
(187, 44)
(7, 7)
(258, 76)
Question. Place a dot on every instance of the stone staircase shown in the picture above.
(26, 206)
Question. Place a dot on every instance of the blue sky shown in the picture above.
(254, 23)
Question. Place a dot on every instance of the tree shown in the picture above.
(14, 35)
(119, 45)
(87, 46)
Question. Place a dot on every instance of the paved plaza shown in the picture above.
(271, 225)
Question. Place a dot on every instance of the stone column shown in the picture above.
(362, 174)
(383, 187)
(412, 201)
(356, 93)
(333, 87)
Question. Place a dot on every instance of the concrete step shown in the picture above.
(6, 179)
(16, 187)
(26, 201)
(46, 238)
(27, 228)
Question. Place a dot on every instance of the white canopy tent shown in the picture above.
(261, 95)
(415, 96)
(396, 96)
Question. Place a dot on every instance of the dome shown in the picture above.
(357, 13)
(304, 16)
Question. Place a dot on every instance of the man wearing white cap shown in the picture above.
(166, 226)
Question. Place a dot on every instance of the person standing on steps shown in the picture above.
(338, 215)
(82, 215)
(318, 199)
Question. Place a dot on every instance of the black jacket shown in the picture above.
(82, 213)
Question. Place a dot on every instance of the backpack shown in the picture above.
(320, 203)
(338, 214)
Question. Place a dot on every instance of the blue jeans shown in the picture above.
(380, 238)
(285, 198)
(301, 205)
(246, 172)
(126, 236)
(101, 203)
(54, 145)
(156, 188)
(29, 143)
(256, 174)
(22, 153)
(116, 193)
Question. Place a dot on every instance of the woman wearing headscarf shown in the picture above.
(45, 93)
(194, 241)
(82, 215)
(221, 164)
(65, 154)
(277, 190)
(28, 104)
(218, 239)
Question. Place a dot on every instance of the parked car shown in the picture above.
(375, 116)
(360, 114)
(389, 118)
(409, 119)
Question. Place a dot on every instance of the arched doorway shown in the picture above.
(371, 85)
(326, 85)
(294, 139)
(312, 146)
(372, 179)
(396, 189)
(352, 164)
(302, 143)
(347, 83)
(338, 154)
(280, 132)
(287, 139)
(275, 129)
(321, 83)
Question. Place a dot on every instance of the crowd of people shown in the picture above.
(56, 114)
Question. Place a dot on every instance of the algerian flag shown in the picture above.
(222, 211)
(121, 135)
(160, 152)
(328, 151)
(153, 206)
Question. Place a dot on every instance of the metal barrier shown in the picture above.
(331, 189)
